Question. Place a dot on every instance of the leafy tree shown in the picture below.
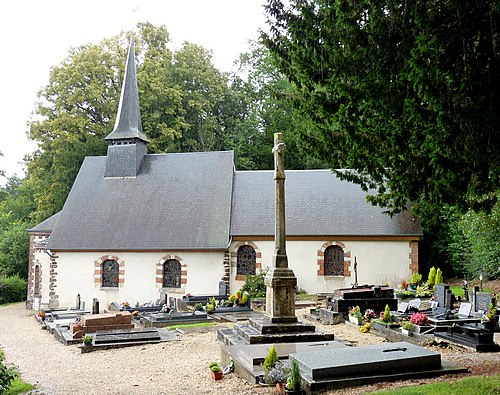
(404, 93)
(269, 95)
(474, 243)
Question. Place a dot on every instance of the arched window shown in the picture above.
(245, 261)
(37, 280)
(334, 261)
(110, 274)
(172, 274)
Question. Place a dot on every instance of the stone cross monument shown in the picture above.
(280, 280)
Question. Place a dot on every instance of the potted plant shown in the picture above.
(293, 384)
(488, 320)
(420, 321)
(87, 340)
(278, 375)
(355, 315)
(406, 327)
(416, 279)
(365, 328)
(215, 370)
(42, 315)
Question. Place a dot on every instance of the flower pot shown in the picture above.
(355, 320)
(406, 332)
(422, 328)
(280, 388)
(216, 375)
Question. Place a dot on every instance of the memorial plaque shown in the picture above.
(464, 309)
(415, 304)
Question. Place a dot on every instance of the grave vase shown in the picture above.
(406, 332)
(355, 320)
(280, 388)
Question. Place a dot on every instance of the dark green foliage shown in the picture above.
(7, 374)
(12, 289)
(293, 383)
(474, 243)
(405, 93)
(254, 285)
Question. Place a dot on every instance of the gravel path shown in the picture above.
(178, 367)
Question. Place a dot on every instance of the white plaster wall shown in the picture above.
(378, 262)
(76, 276)
(42, 259)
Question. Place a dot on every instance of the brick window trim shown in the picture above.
(98, 276)
(234, 258)
(321, 260)
(159, 273)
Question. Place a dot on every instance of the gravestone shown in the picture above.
(223, 288)
(402, 307)
(78, 302)
(95, 306)
(483, 301)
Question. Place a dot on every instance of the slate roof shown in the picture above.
(177, 201)
(47, 225)
(316, 203)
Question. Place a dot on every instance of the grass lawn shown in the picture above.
(469, 386)
(457, 290)
(18, 386)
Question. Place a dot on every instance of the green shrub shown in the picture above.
(431, 280)
(254, 285)
(7, 375)
(271, 359)
(416, 278)
(293, 383)
(439, 276)
(12, 289)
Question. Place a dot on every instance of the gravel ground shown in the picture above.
(178, 367)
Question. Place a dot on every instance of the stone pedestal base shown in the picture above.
(280, 295)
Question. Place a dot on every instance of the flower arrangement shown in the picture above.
(406, 325)
(125, 305)
(240, 298)
(355, 312)
(491, 314)
(423, 291)
(369, 314)
(135, 313)
(278, 373)
(419, 319)
(42, 315)
(365, 328)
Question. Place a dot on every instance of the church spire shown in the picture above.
(127, 142)
(128, 123)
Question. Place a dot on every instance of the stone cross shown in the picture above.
(279, 178)
(280, 280)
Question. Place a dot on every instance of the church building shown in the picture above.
(138, 225)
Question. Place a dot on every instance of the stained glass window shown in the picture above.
(334, 261)
(172, 274)
(110, 272)
(245, 261)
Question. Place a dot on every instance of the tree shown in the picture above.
(404, 93)
(268, 93)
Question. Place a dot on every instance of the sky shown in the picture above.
(37, 35)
